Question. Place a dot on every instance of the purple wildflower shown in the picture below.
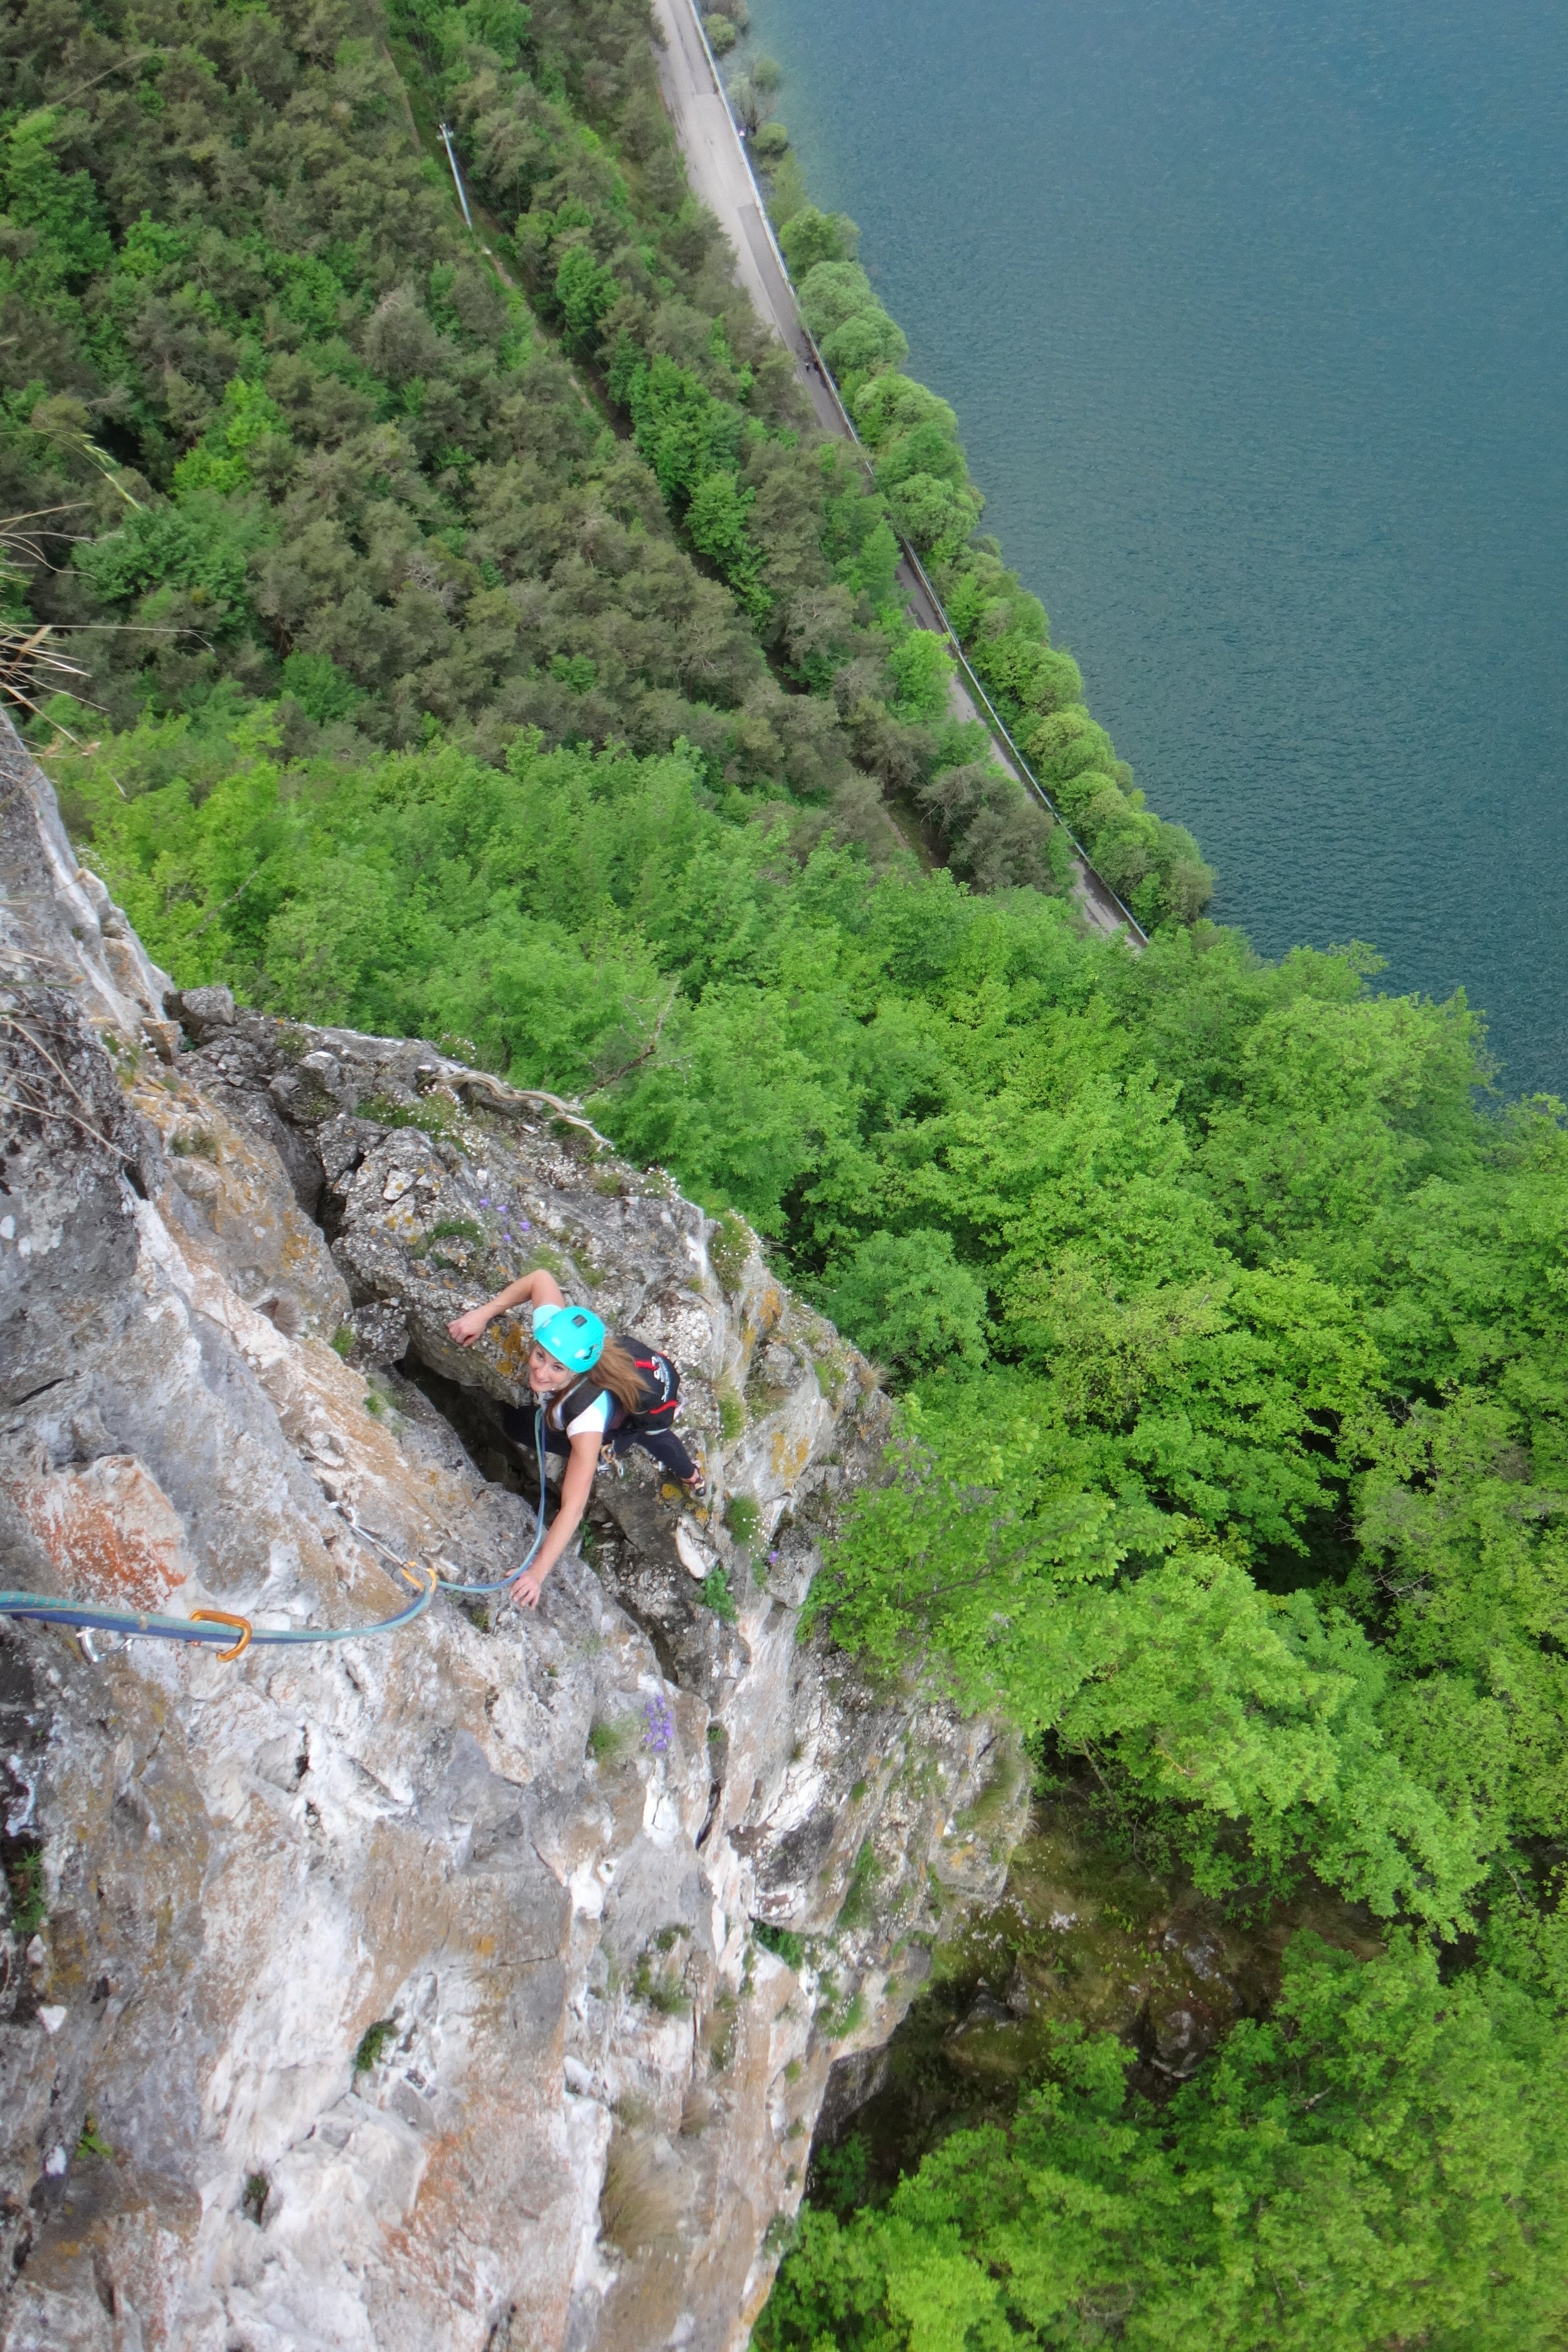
(660, 1722)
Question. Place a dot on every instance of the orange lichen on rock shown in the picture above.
(110, 1530)
(790, 1452)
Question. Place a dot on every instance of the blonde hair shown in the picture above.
(616, 1372)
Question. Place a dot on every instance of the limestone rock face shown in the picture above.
(404, 1991)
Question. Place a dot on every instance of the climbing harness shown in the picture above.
(214, 1629)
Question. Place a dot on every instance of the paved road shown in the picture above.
(720, 176)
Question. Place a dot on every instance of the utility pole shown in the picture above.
(457, 175)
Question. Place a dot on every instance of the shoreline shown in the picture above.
(720, 171)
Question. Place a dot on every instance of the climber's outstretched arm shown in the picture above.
(535, 1289)
(575, 1488)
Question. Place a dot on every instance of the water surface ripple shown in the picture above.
(1255, 319)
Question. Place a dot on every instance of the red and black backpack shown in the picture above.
(658, 1376)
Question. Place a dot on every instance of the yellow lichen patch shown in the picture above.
(301, 1244)
(789, 1455)
(110, 1530)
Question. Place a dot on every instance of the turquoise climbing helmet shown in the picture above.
(570, 1334)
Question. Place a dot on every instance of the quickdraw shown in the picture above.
(213, 1628)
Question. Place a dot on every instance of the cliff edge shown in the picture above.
(406, 1991)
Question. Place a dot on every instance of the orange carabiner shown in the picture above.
(222, 1617)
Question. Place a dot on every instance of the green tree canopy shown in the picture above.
(1381, 2161)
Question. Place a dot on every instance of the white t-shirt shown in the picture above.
(592, 1421)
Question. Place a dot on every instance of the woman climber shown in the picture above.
(596, 1395)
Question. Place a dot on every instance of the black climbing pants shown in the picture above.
(662, 1444)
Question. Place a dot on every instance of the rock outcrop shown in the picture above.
(474, 1986)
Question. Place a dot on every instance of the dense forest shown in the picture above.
(485, 646)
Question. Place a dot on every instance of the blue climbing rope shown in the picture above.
(214, 1628)
(527, 1562)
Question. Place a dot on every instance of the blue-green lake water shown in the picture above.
(1255, 319)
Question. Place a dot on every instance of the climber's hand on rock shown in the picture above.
(524, 1590)
(468, 1327)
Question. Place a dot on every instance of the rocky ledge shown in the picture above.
(476, 1985)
